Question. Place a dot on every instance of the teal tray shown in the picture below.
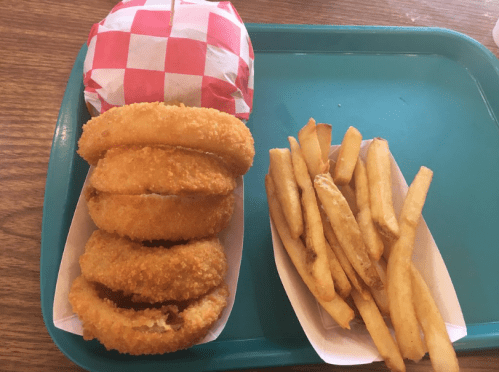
(433, 93)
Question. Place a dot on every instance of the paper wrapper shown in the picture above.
(355, 346)
(202, 56)
(82, 227)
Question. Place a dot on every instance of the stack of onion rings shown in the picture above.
(153, 275)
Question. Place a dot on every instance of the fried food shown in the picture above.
(355, 281)
(341, 283)
(151, 124)
(281, 171)
(400, 294)
(381, 295)
(324, 135)
(442, 353)
(315, 239)
(380, 188)
(154, 272)
(372, 237)
(311, 149)
(144, 328)
(162, 170)
(347, 157)
(346, 229)
(349, 194)
(337, 307)
(357, 244)
(158, 217)
(379, 332)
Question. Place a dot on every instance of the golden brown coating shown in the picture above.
(157, 217)
(154, 273)
(162, 170)
(148, 330)
(149, 124)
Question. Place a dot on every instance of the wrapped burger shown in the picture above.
(152, 258)
(200, 55)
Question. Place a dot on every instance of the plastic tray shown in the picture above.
(433, 93)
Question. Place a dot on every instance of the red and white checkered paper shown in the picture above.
(204, 58)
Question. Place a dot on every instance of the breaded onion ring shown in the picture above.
(162, 170)
(154, 273)
(149, 124)
(157, 217)
(151, 330)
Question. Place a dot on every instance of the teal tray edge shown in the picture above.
(66, 173)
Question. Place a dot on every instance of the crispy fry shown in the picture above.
(379, 332)
(332, 165)
(442, 354)
(340, 279)
(370, 233)
(324, 135)
(402, 310)
(349, 194)
(350, 272)
(347, 157)
(311, 149)
(381, 295)
(281, 171)
(346, 229)
(380, 188)
(339, 311)
(337, 307)
(316, 241)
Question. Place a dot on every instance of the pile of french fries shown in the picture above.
(337, 223)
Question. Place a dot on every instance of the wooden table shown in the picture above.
(38, 44)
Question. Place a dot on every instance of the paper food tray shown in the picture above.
(336, 345)
(82, 228)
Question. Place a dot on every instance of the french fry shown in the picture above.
(380, 188)
(337, 307)
(332, 165)
(379, 332)
(381, 295)
(341, 283)
(311, 149)
(400, 294)
(347, 156)
(372, 237)
(350, 272)
(442, 354)
(324, 135)
(349, 194)
(281, 171)
(316, 241)
(346, 229)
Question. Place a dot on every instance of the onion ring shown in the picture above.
(150, 330)
(147, 124)
(158, 217)
(161, 170)
(155, 274)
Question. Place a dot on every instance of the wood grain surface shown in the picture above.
(39, 41)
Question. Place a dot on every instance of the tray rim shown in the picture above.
(249, 351)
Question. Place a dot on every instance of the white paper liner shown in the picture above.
(80, 231)
(350, 347)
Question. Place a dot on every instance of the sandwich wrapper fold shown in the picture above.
(355, 346)
(201, 56)
(82, 228)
